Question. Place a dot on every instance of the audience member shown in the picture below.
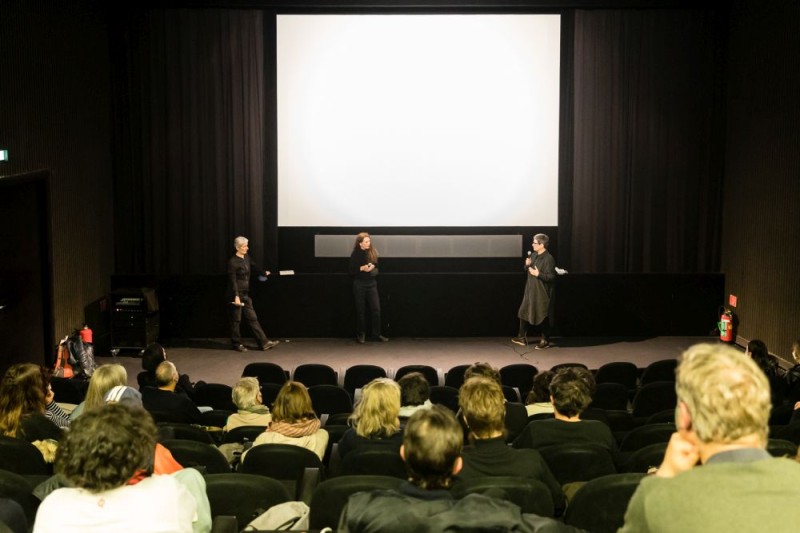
(483, 407)
(251, 412)
(294, 421)
(25, 401)
(163, 462)
(758, 351)
(570, 393)
(152, 356)
(722, 418)
(375, 420)
(538, 400)
(415, 393)
(164, 401)
(107, 459)
(431, 450)
(516, 415)
(104, 378)
(793, 374)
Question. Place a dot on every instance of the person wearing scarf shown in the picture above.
(294, 421)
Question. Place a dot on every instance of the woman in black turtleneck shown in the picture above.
(364, 269)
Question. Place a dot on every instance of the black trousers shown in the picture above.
(366, 294)
(251, 318)
(544, 327)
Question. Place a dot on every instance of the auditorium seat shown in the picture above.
(599, 505)
(572, 462)
(531, 495)
(215, 395)
(330, 400)
(623, 372)
(312, 374)
(663, 370)
(444, 395)
(645, 435)
(191, 453)
(330, 497)
(374, 461)
(429, 372)
(653, 398)
(22, 457)
(455, 376)
(266, 373)
(520, 376)
(244, 496)
(299, 469)
(356, 376)
(610, 395)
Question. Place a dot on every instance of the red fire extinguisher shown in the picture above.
(725, 325)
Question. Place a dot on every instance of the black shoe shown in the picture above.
(381, 338)
(270, 344)
(360, 338)
(522, 341)
(240, 348)
(543, 345)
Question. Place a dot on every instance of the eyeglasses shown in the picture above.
(534, 242)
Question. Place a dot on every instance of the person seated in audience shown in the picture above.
(163, 400)
(376, 418)
(27, 404)
(415, 393)
(164, 462)
(722, 420)
(538, 400)
(104, 378)
(793, 374)
(152, 356)
(107, 459)
(758, 351)
(483, 407)
(570, 394)
(516, 415)
(431, 451)
(294, 421)
(251, 412)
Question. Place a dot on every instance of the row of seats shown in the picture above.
(597, 506)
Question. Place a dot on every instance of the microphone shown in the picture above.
(525, 267)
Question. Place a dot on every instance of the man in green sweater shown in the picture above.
(716, 474)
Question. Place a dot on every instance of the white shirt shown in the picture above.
(158, 504)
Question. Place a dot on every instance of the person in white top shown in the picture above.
(107, 457)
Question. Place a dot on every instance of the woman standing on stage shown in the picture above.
(364, 269)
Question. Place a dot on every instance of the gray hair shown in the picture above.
(239, 241)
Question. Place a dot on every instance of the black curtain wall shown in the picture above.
(641, 169)
(189, 116)
(646, 190)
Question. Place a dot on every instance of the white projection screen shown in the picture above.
(418, 120)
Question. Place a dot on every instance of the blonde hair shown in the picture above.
(725, 392)
(293, 404)
(245, 393)
(483, 405)
(105, 378)
(377, 414)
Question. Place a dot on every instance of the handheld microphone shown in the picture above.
(525, 267)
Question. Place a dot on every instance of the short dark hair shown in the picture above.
(571, 391)
(152, 356)
(432, 443)
(540, 392)
(482, 369)
(107, 446)
(414, 389)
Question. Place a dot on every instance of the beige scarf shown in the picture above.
(301, 428)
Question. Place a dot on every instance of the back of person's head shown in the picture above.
(432, 445)
(107, 446)
(377, 413)
(125, 395)
(414, 389)
(540, 392)
(246, 393)
(570, 390)
(796, 351)
(725, 393)
(166, 373)
(23, 391)
(757, 349)
(483, 406)
(152, 356)
(105, 378)
(482, 369)
(292, 404)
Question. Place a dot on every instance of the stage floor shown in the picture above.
(212, 360)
